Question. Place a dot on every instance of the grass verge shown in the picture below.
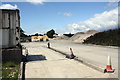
(10, 71)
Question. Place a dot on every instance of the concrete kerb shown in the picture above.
(21, 75)
(20, 71)
(58, 51)
(100, 69)
(90, 65)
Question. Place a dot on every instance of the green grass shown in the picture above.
(10, 71)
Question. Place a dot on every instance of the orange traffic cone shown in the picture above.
(109, 66)
(71, 55)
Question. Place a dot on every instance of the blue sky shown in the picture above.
(57, 15)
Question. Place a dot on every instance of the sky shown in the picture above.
(65, 17)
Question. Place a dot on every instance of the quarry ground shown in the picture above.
(45, 63)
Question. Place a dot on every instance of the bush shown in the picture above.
(50, 33)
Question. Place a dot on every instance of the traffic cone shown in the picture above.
(109, 66)
(48, 45)
(71, 55)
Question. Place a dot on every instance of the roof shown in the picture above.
(17, 10)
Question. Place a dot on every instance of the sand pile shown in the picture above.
(62, 37)
(81, 36)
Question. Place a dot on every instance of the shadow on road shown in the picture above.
(36, 58)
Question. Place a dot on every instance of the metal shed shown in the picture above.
(9, 28)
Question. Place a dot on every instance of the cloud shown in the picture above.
(68, 14)
(112, 4)
(35, 1)
(8, 6)
(102, 21)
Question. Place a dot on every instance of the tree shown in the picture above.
(50, 33)
(22, 33)
(69, 35)
(36, 34)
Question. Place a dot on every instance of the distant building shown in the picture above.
(55, 35)
(25, 39)
(39, 38)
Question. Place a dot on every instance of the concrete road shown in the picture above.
(91, 53)
(45, 63)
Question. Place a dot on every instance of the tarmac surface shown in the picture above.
(46, 63)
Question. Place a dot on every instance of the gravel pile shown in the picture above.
(63, 37)
(81, 36)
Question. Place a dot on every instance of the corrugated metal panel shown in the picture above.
(12, 37)
(9, 20)
(17, 20)
(0, 28)
(8, 38)
(5, 19)
(5, 37)
(12, 21)
(0, 38)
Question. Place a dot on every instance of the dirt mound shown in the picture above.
(76, 36)
(81, 36)
(91, 32)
